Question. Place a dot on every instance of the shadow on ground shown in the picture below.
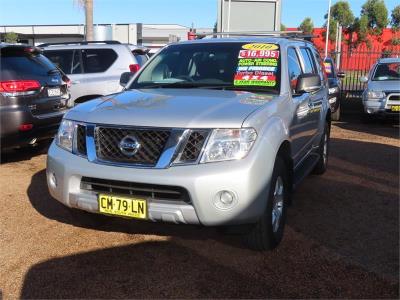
(386, 127)
(25, 153)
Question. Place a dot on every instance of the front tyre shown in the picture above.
(267, 233)
(323, 151)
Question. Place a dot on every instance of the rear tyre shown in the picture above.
(323, 151)
(336, 114)
(267, 233)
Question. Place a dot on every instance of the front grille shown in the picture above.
(394, 98)
(148, 191)
(193, 146)
(81, 139)
(152, 143)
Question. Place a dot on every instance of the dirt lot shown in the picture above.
(342, 238)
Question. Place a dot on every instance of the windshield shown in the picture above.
(387, 71)
(239, 66)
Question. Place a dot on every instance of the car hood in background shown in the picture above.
(179, 108)
(381, 85)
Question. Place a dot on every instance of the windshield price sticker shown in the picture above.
(257, 65)
(260, 46)
(258, 54)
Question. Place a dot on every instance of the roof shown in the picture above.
(274, 40)
(389, 60)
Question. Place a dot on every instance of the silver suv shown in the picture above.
(382, 93)
(95, 67)
(214, 132)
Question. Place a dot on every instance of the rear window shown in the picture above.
(141, 59)
(97, 60)
(17, 65)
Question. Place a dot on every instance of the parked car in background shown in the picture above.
(33, 96)
(335, 87)
(212, 132)
(382, 92)
(95, 67)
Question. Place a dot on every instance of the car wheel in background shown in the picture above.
(267, 233)
(336, 114)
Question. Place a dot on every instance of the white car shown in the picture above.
(95, 67)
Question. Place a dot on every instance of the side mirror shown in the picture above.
(125, 77)
(364, 79)
(308, 83)
(341, 75)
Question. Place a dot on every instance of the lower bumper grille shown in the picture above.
(148, 191)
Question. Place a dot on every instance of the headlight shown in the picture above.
(229, 144)
(333, 90)
(375, 95)
(65, 135)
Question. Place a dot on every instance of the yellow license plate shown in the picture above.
(123, 206)
(395, 107)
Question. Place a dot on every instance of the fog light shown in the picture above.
(332, 100)
(225, 199)
(53, 180)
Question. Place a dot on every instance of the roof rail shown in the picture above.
(109, 42)
(285, 34)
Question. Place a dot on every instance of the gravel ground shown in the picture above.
(342, 238)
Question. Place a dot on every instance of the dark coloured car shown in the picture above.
(33, 96)
(335, 87)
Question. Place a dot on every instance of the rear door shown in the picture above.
(98, 76)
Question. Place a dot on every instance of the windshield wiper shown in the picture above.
(243, 88)
(179, 84)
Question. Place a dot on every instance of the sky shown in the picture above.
(202, 13)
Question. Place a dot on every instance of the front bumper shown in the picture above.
(379, 107)
(11, 117)
(248, 179)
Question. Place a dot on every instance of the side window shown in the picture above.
(309, 64)
(97, 60)
(76, 65)
(61, 59)
(294, 67)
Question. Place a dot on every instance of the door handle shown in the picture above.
(75, 82)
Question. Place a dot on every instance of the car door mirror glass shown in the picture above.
(125, 78)
(364, 79)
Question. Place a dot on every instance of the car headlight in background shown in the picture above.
(375, 95)
(229, 144)
(65, 135)
(334, 90)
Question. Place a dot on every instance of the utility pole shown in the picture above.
(89, 19)
(327, 29)
(229, 16)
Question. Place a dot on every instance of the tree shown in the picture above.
(307, 25)
(87, 5)
(11, 37)
(341, 13)
(283, 27)
(395, 17)
(377, 15)
(361, 28)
